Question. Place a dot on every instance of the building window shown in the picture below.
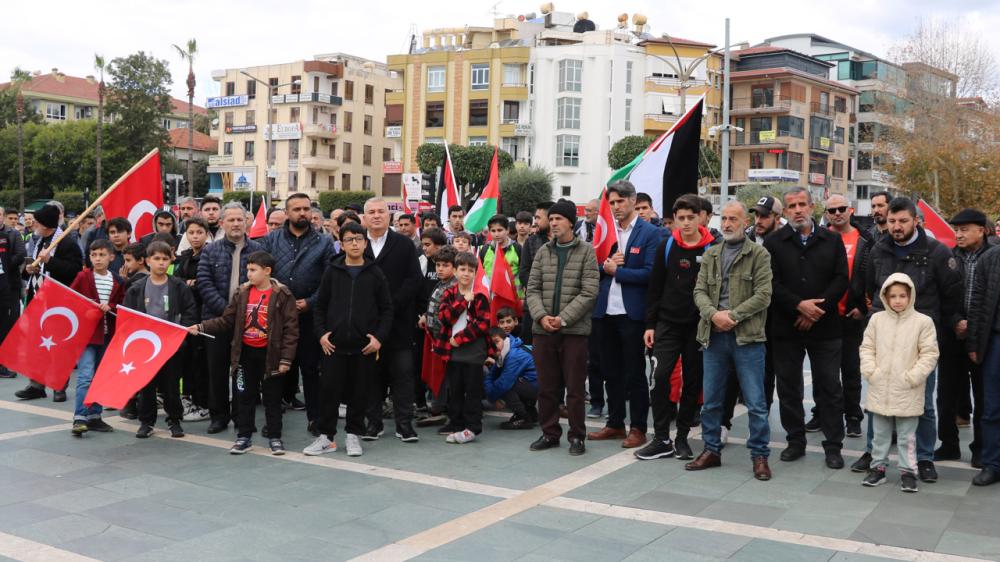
(293, 149)
(248, 150)
(165, 123)
(510, 146)
(366, 183)
(758, 125)
(435, 114)
(294, 114)
(480, 76)
(511, 111)
(435, 78)
(334, 88)
(84, 112)
(512, 75)
(477, 141)
(817, 165)
(570, 75)
(840, 104)
(315, 88)
(838, 169)
(479, 112)
(819, 133)
(789, 126)
(864, 160)
(345, 182)
(348, 121)
(312, 179)
(387, 155)
(274, 85)
(762, 96)
(739, 137)
(838, 135)
(333, 151)
(251, 89)
(366, 155)
(227, 119)
(296, 85)
(369, 94)
(230, 88)
(347, 153)
(250, 117)
(566, 190)
(793, 161)
(568, 113)
(312, 147)
(628, 78)
(369, 120)
(862, 192)
(349, 90)
(756, 160)
(330, 183)
(333, 119)
(628, 115)
(227, 149)
(293, 180)
(567, 150)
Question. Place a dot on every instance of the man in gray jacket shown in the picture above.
(561, 293)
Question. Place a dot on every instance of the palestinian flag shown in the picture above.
(669, 166)
(447, 188)
(488, 201)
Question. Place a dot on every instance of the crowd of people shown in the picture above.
(382, 314)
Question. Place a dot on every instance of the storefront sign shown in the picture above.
(392, 167)
(767, 136)
(232, 129)
(220, 159)
(817, 179)
(773, 174)
(283, 131)
(227, 101)
(393, 132)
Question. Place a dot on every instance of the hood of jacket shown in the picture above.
(892, 280)
(340, 262)
(706, 238)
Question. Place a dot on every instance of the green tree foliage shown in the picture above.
(523, 188)
(750, 193)
(71, 200)
(243, 197)
(709, 163)
(626, 149)
(330, 200)
(172, 165)
(470, 163)
(8, 114)
(430, 156)
(138, 97)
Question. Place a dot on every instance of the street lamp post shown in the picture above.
(271, 150)
(684, 72)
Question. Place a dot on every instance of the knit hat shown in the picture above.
(970, 216)
(565, 208)
(47, 216)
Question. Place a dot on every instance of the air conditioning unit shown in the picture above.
(326, 141)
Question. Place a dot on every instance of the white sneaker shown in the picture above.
(724, 436)
(196, 414)
(320, 446)
(353, 445)
(460, 437)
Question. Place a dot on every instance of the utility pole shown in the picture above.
(724, 184)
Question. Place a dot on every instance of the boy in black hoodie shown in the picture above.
(354, 315)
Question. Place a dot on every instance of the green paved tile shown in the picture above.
(157, 519)
(21, 514)
(81, 500)
(584, 547)
(966, 544)
(42, 462)
(658, 500)
(309, 549)
(772, 551)
(853, 557)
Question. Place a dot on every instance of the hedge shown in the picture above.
(243, 197)
(330, 200)
(71, 200)
(11, 199)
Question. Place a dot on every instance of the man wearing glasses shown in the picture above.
(852, 309)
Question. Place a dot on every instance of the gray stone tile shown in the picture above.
(405, 519)
(849, 489)
(584, 547)
(877, 531)
(695, 542)
(738, 512)
(309, 549)
(553, 518)
(924, 515)
(157, 519)
(659, 500)
(82, 499)
(42, 462)
(623, 530)
(21, 514)
(972, 525)
(33, 489)
(142, 485)
(62, 529)
(115, 543)
(772, 551)
(966, 544)
(854, 557)
(503, 541)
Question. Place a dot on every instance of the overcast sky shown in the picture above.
(65, 34)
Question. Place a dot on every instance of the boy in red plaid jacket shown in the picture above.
(463, 341)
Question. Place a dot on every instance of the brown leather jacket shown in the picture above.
(282, 327)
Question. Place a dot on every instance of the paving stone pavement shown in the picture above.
(114, 497)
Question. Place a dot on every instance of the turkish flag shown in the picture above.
(502, 286)
(259, 228)
(141, 346)
(937, 225)
(481, 283)
(51, 334)
(137, 196)
(605, 234)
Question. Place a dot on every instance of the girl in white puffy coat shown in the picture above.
(899, 351)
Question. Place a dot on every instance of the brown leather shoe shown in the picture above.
(635, 439)
(707, 459)
(563, 411)
(760, 469)
(606, 433)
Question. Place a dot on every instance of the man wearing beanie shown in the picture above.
(62, 262)
(957, 370)
(560, 294)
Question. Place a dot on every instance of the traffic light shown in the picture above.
(429, 188)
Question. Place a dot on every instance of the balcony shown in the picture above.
(307, 97)
(395, 98)
(659, 121)
(822, 144)
(319, 163)
(759, 139)
(513, 91)
(322, 130)
(515, 128)
(822, 109)
(757, 106)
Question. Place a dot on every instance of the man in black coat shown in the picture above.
(810, 277)
(983, 346)
(531, 246)
(396, 255)
(12, 254)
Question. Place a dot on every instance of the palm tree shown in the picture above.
(188, 55)
(17, 81)
(99, 66)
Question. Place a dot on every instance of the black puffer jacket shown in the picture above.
(215, 268)
(351, 307)
(983, 307)
(301, 271)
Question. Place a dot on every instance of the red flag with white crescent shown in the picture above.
(502, 286)
(141, 346)
(259, 228)
(51, 334)
(605, 233)
(935, 223)
(137, 196)
(482, 283)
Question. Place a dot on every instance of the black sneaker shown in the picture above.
(977, 460)
(99, 425)
(834, 460)
(405, 433)
(7, 374)
(517, 423)
(863, 464)
(432, 420)
(58, 395)
(448, 429)
(294, 404)
(656, 449)
(144, 431)
(682, 450)
(543, 443)
(813, 425)
(30, 393)
(312, 427)
(792, 453)
(576, 447)
(373, 432)
(176, 431)
(853, 427)
(908, 482)
(241, 446)
(945, 453)
(217, 427)
(875, 477)
(79, 428)
(277, 447)
(927, 471)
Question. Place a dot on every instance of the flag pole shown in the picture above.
(87, 211)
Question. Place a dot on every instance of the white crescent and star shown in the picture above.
(74, 323)
(602, 225)
(144, 207)
(147, 335)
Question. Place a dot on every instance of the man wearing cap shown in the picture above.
(956, 369)
(62, 262)
(767, 219)
(560, 294)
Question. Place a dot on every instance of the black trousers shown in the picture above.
(595, 380)
(250, 384)
(824, 357)
(307, 364)
(166, 383)
(623, 367)
(221, 407)
(955, 371)
(419, 388)
(672, 342)
(195, 376)
(522, 399)
(10, 309)
(850, 366)
(344, 380)
(392, 371)
(465, 395)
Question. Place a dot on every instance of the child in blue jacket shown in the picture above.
(512, 378)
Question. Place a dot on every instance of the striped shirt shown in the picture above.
(104, 284)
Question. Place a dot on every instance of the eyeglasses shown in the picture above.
(353, 240)
(836, 210)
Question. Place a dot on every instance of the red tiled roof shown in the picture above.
(785, 71)
(82, 88)
(202, 142)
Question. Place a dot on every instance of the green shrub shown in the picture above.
(330, 200)
(10, 199)
(523, 188)
(71, 200)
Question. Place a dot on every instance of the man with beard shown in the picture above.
(880, 210)
(12, 254)
(939, 291)
(810, 275)
(767, 219)
(531, 247)
(585, 226)
(211, 209)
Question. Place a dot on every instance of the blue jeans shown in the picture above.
(85, 368)
(926, 426)
(721, 357)
(991, 405)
